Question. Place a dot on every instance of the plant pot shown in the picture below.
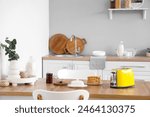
(13, 70)
(147, 54)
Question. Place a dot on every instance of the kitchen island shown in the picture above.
(141, 90)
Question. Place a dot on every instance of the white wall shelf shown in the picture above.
(128, 9)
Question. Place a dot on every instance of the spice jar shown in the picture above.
(49, 78)
(127, 3)
(112, 3)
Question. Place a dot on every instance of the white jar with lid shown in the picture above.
(120, 50)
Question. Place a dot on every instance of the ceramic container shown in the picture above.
(130, 52)
(13, 70)
(120, 50)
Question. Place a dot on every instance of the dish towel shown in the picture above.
(97, 62)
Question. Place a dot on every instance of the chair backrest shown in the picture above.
(75, 74)
(40, 94)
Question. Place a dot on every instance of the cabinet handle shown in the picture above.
(133, 66)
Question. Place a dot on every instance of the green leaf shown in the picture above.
(8, 41)
(12, 46)
(14, 41)
(3, 46)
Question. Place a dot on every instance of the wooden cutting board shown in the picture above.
(57, 43)
(70, 45)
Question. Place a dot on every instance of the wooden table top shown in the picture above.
(141, 90)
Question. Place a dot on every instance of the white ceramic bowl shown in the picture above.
(98, 53)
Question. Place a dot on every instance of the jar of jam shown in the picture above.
(112, 3)
(49, 78)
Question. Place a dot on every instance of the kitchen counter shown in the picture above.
(108, 58)
(140, 91)
(53, 57)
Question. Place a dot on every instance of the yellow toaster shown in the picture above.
(123, 77)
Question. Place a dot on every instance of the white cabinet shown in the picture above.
(141, 69)
(84, 66)
(52, 66)
(81, 65)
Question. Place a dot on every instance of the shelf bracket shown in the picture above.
(144, 14)
(110, 14)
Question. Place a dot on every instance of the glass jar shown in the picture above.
(49, 78)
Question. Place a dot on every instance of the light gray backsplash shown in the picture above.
(89, 19)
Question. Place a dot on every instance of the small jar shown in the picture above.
(112, 3)
(127, 3)
(49, 78)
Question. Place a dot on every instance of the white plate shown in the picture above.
(69, 85)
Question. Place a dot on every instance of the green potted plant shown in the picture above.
(148, 52)
(10, 50)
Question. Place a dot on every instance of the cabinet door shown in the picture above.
(141, 69)
(52, 66)
(142, 76)
(84, 65)
(136, 66)
(81, 65)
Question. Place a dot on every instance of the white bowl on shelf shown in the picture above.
(98, 53)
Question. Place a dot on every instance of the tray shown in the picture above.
(57, 43)
(70, 45)
(15, 82)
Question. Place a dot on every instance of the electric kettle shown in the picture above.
(123, 77)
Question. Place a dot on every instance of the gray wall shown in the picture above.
(89, 19)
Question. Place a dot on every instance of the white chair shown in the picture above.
(40, 94)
